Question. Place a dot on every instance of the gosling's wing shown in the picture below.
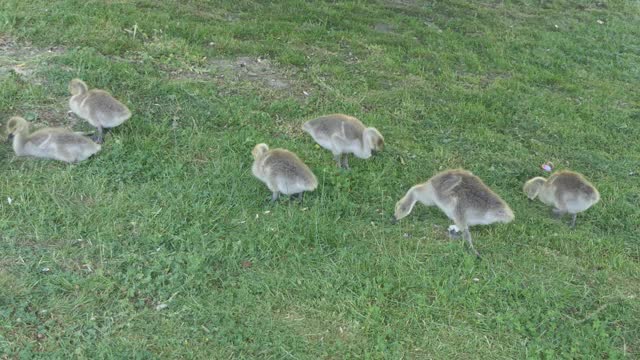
(329, 125)
(101, 103)
(57, 136)
(46, 142)
(352, 129)
(568, 186)
(42, 138)
(339, 136)
(448, 182)
(323, 127)
(478, 195)
(288, 165)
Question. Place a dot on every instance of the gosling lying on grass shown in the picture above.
(98, 107)
(282, 171)
(567, 191)
(342, 135)
(462, 196)
(49, 143)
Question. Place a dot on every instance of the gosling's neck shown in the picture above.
(547, 194)
(79, 88)
(539, 185)
(415, 194)
(78, 97)
(422, 193)
(364, 150)
(409, 200)
(19, 140)
(257, 167)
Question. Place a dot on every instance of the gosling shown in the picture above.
(97, 107)
(49, 143)
(567, 191)
(344, 135)
(282, 171)
(462, 196)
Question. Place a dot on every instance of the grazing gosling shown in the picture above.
(567, 191)
(342, 135)
(282, 171)
(98, 107)
(49, 143)
(462, 196)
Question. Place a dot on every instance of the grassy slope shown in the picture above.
(169, 213)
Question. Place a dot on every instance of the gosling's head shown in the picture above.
(14, 125)
(504, 215)
(533, 186)
(77, 87)
(403, 208)
(376, 140)
(259, 150)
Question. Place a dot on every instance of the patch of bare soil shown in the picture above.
(403, 3)
(22, 58)
(480, 81)
(51, 116)
(288, 128)
(384, 28)
(255, 71)
(245, 68)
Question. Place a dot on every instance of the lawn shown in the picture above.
(164, 245)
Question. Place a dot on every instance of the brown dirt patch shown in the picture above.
(236, 70)
(384, 28)
(22, 59)
(246, 68)
(403, 3)
(245, 71)
(50, 116)
(289, 128)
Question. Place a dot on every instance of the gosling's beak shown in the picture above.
(394, 220)
(10, 137)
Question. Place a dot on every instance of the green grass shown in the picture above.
(169, 213)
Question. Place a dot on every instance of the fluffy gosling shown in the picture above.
(282, 171)
(49, 143)
(342, 135)
(462, 196)
(567, 191)
(97, 107)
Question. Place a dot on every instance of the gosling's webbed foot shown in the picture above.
(298, 196)
(467, 237)
(337, 159)
(98, 138)
(344, 162)
(453, 232)
(573, 221)
(557, 213)
(292, 197)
